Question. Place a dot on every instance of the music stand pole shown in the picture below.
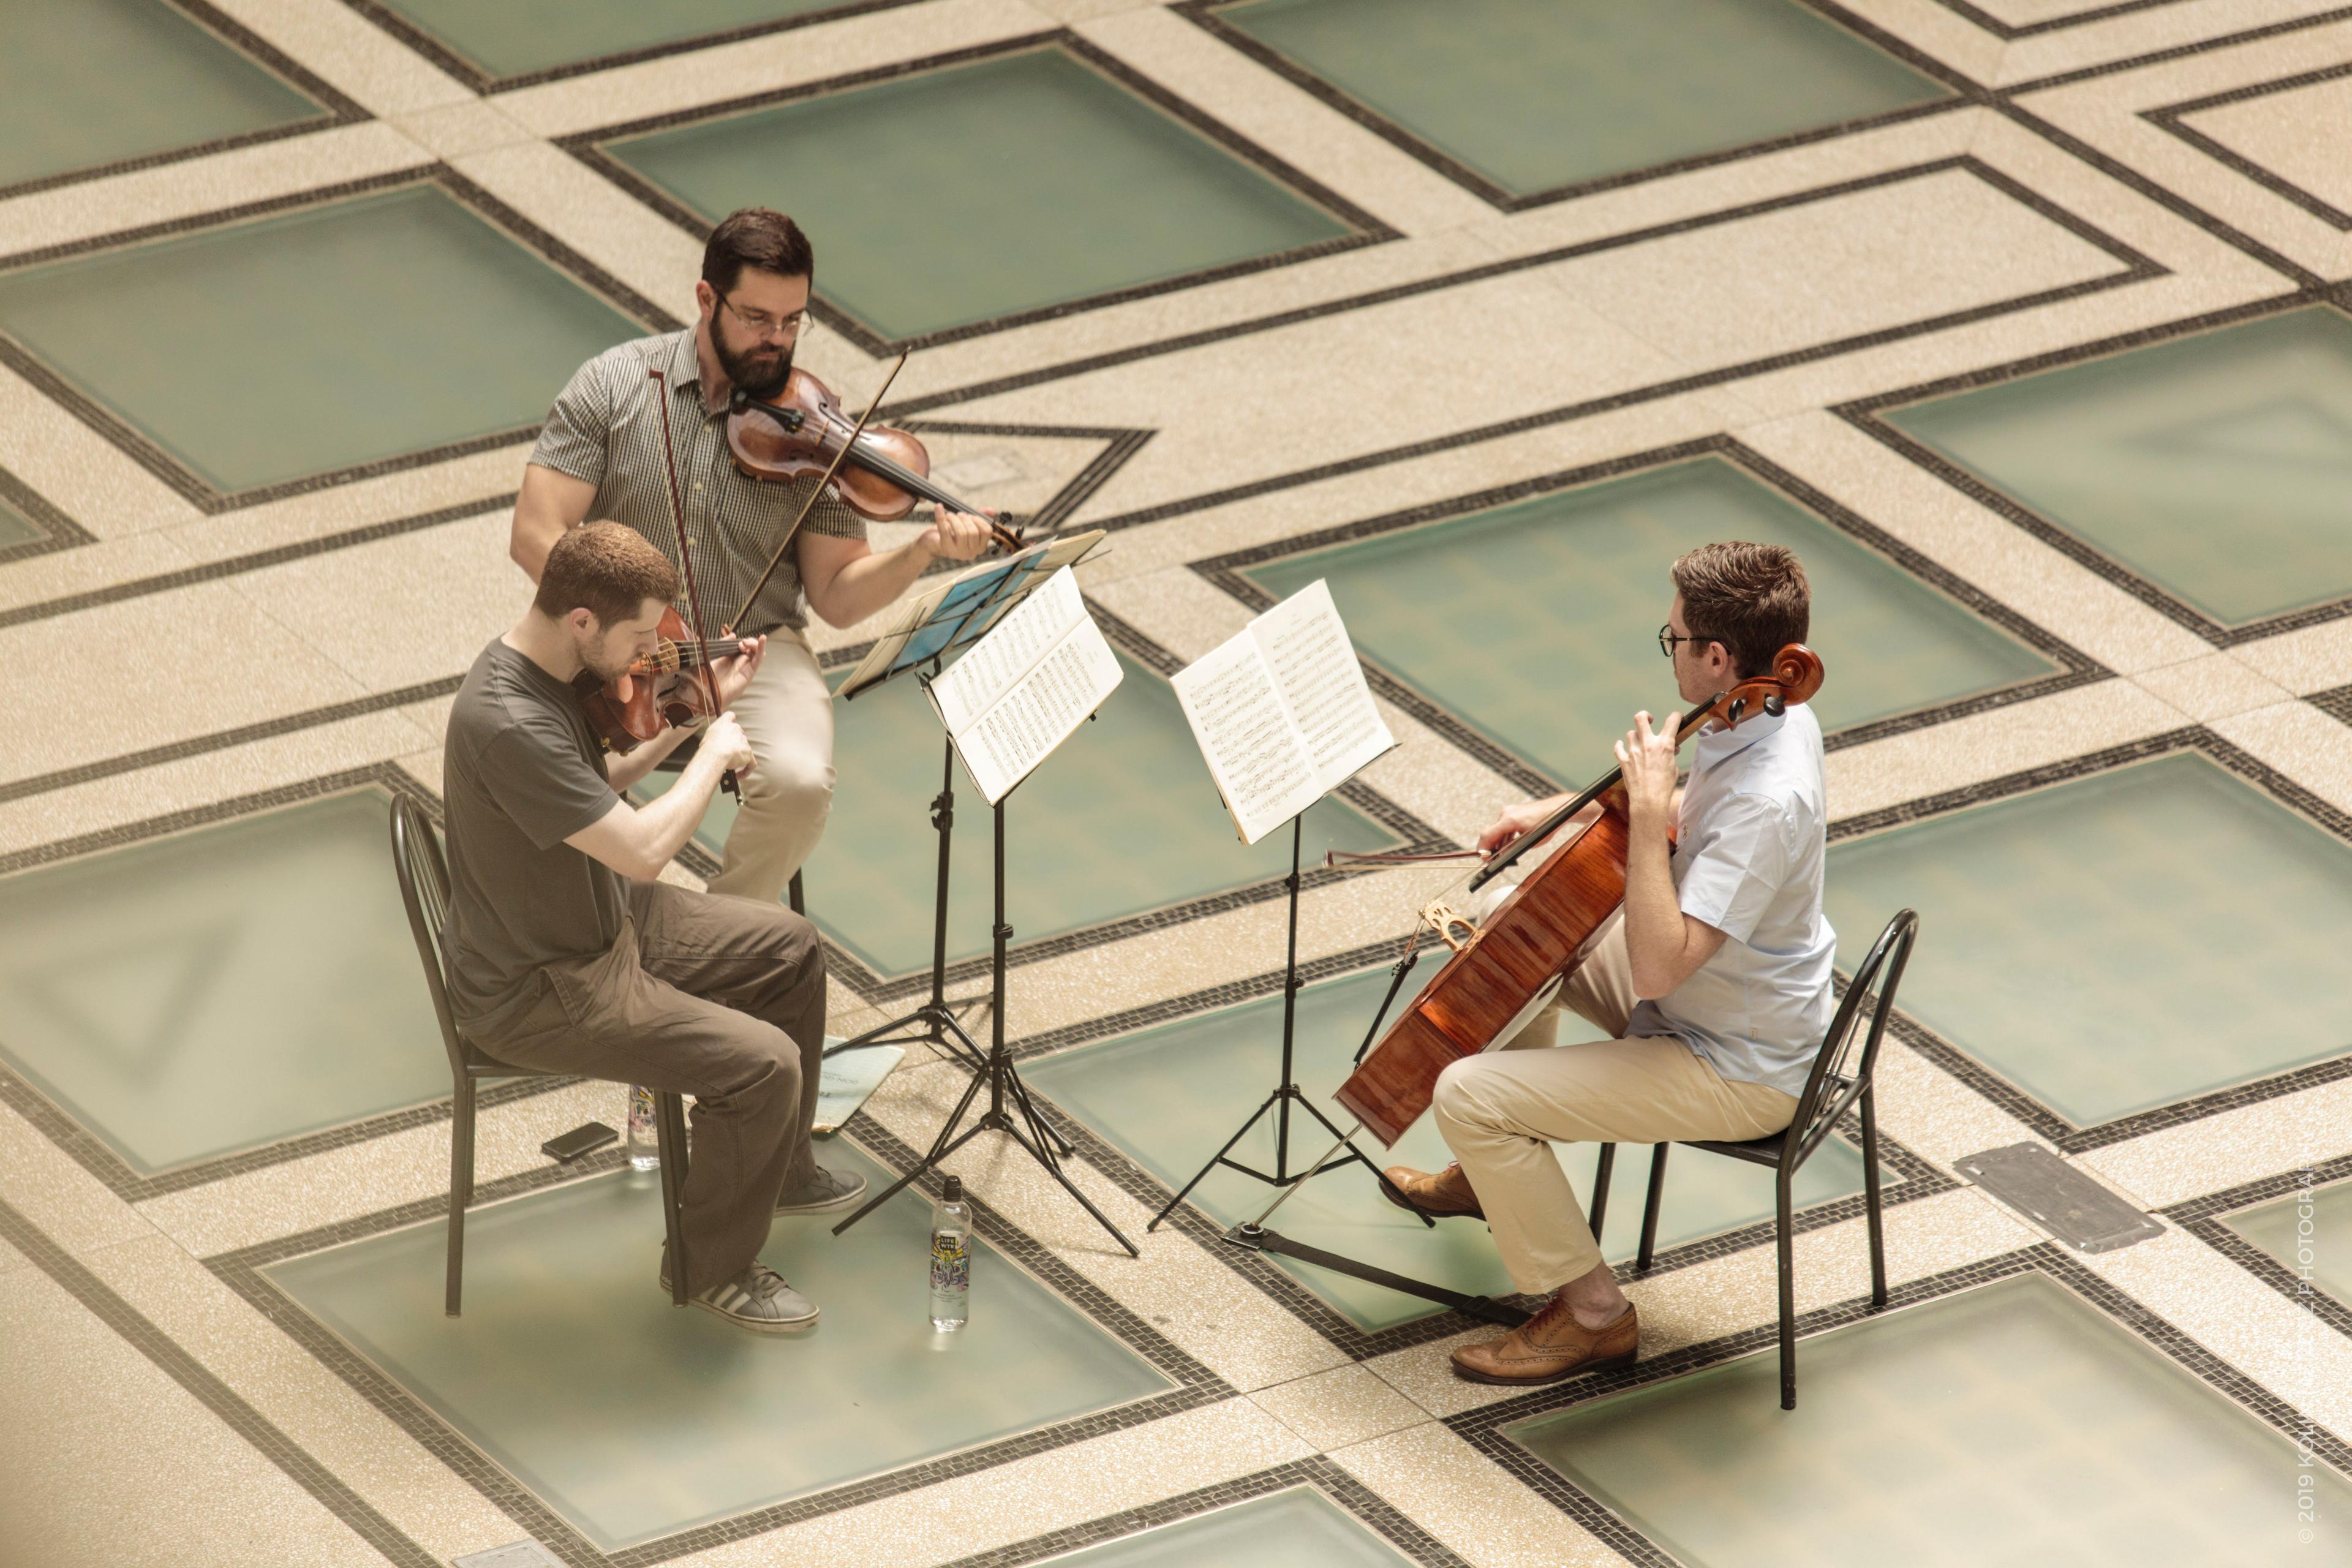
(1285, 1092)
(1004, 1088)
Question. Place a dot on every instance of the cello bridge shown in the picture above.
(1445, 920)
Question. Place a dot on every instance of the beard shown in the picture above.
(759, 371)
(606, 656)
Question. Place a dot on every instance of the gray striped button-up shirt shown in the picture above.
(606, 428)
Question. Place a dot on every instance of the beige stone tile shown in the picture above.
(2313, 658)
(596, 217)
(1287, 121)
(1940, 31)
(2299, 135)
(767, 63)
(1478, 1510)
(110, 1461)
(453, 131)
(341, 46)
(484, 480)
(1934, 1114)
(1335, 1408)
(57, 1196)
(2301, 741)
(77, 471)
(87, 568)
(322, 1414)
(1030, 1496)
(2267, 1138)
(90, 208)
(2214, 687)
(2139, 32)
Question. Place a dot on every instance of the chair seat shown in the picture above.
(1764, 1151)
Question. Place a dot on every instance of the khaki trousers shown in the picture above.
(787, 715)
(1501, 1113)
(718, 997)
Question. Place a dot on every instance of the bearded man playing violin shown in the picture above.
(601, 454)
(565, 952)
(1712, 981)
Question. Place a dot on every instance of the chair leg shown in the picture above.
(1870, 1192)
(1650, 1208)
(1786, 1230)
(669, 1136)
(1601, 1175)
(461, 1185)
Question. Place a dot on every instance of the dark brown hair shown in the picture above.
(605, 569)
(1751, 598)
(755, 236)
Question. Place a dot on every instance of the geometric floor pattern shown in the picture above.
(2026, 323)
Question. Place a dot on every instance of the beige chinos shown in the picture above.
(1501, 1112)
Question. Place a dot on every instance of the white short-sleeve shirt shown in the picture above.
(1748, 860)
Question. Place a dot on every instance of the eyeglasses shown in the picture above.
(1667, 638)
(763, 325)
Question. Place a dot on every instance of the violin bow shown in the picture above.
(810, 505)
(685, 559)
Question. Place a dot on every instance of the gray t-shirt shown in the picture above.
(521, 772)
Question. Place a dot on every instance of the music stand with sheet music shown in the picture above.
(943, 620)
(1038, 672)
(1287, 683)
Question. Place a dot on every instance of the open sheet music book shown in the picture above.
(1282, 713)
(1025, 686)
(959, 611)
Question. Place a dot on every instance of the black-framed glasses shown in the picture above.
(1668, 637)
(762, 324)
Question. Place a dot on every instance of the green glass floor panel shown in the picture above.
(1169, 1096)
(2117, 942)
(99, 81)
(1301, 1528)
(632, 1418)
(2215, 466)
(519, 35)
(1537, 94)
(219, 989)
(339, 335)
(2008, 1424)
(1536, 624)
(1123, 818)
(2312, 1243)
(1053, 183)
(17, 529)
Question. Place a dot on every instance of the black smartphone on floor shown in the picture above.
(578, 1141)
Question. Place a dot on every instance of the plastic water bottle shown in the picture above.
(645, 1138)
(951, 1258)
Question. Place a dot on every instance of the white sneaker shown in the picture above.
(758, 1299)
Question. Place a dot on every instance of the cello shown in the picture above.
(1505, 968)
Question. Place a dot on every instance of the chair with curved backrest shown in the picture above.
(1829, 1092)
(425, 889)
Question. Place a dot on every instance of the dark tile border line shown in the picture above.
(2337, 704)
(242, 1271)
(200, 494)
(1319, 1473)
(1867, 415)
(2205, 1217)
(2173, 118)
(56, 530)
(2008, 33)
(101, 1302)
(454, 64)
(2039, 1117)
(236, 37)
(1228, 571)
(2135, 268)
(2175, 52)
(1482, 1428)
(588, 147)
(1203, 14)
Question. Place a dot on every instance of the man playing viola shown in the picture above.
(601, 454)
(1713, 982)
(565, 951)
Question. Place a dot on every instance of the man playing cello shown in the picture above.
(1713, 982)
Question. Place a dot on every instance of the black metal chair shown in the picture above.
(1829, 1092)
(425, 889)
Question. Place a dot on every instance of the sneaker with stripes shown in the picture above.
(758, 1299)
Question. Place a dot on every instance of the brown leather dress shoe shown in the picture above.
(1445, 1193)
(1549, 1346)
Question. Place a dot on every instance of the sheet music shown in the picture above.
(1040, 709)
(959, 609)
(1323, 686)
(983, 676)
(1255, 752)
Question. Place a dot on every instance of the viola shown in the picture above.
(662, 688)
(877, 471)
(1505, 967)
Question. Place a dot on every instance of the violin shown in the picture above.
(1505, 968)
(662, 688)
(877, 471)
